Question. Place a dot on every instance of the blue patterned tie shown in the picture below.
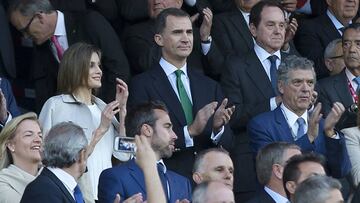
(78, 195)
(163, 178)
(273, 73)
(357, 81)
(301, 130)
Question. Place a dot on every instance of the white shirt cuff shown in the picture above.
(189, 142)
(216, 138)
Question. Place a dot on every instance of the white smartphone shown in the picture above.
(125, 144)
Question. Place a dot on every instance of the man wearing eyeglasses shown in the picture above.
(53, 32)
(333, 57)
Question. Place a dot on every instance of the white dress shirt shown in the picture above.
(169, 70)
(351, 77)
(60, 32)
(276, 196)
(291, 119)
(263, 55)
(68, 180)
(335, 21)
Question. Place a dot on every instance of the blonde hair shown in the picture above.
(8, 133)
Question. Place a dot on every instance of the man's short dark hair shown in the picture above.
(142, 114)
(200, 156)
(355, 26)
(292, 171)
(160, 22)
(255, 13)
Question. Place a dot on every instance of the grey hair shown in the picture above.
(269, 155)
(199, 159)
(30, 7)
(316, 189)
(63, 144)
(292, 63)
(330, 49)
(199, 194)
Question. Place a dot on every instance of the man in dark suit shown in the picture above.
(192, 98)
(38, 20)
(7, 60)
(144, 53)
(65, 158)
(291, 122)
(232, 34)
(344, 87)
(152, 121)
(249, 82)
(270, 163)
(8, 106)
(315, 34)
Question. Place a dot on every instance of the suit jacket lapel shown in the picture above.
(257, 73)
(51, 176)
(137, 174)
(282, 126)
(197, 89)
(168, 96)
(240, 24)
(341, 88)
(328, 28)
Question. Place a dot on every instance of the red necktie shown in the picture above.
(59, 49)
(300, 3)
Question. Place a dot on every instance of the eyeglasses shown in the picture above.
(26, 28)
(335, 57)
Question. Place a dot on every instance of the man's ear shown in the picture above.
(281, 85)
(252, 30)
(290, 186)
(197, 177)
(328, 64)
(82, 157)
(159, 40)
(277, 170)
(146, 130)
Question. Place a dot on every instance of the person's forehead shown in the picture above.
(178, 22)
(301, 74)
(352, 34)
(217, 158)
(270, 13)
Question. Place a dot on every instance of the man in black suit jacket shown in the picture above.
(343, 87)
(7, 60)
(270, 163)
(65, 155)
(315, 34)
(248, 83)
(41, 22)
(144, 53)
(195, 124)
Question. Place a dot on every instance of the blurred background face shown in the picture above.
(335, 63)
(246, 5)
(26, 145)
(343, 9)
(219, 193)
(351, 48)
(156, 6)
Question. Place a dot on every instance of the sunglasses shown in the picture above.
(335, 57)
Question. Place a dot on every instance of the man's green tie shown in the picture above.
(184, 99)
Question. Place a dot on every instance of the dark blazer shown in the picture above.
(261, 197)
(11, 105)
(336, 89)
(311, 39)
(154, 85)
(88, 27)
(7, 60)
(272, 126)
(127, 179)
(144, 53)
(46, 188)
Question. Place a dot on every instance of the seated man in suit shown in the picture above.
(319, 189)
(344, 87)
(8, 106)
(152, 121)
(270, 163)
(54, 31)
(291, 122)
(250, 83)
(213, 192)
(143, 52)
(315, 34)
(300, 168)
(65, 154)
(193, 97)
(214, 164)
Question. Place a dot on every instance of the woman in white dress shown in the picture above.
(79, 76)
(20, 160)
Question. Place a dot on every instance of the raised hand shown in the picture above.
(314, 119)
(222, 115)
(333, 117)
(201, 119)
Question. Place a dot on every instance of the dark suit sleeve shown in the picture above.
(10, 99)
(259, 137)
(234, 89)
(34, 194)
(337, 156)
(221, 36)
(109, 186)
(114, 61)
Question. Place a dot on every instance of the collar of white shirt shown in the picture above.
(67, 179)
(335, 21)
(162, 162)
(263, 55)
(60, 29)
(170, 69)
(291, 117)
(276, 196)
(351, 77)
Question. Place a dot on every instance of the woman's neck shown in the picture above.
(83, 95)
(31, 168)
